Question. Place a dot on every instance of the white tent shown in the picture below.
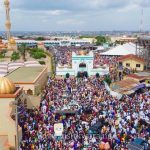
(125, 49)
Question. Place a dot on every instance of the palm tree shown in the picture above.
(22, 49)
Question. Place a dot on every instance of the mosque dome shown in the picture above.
(12, 41)
(6, 86)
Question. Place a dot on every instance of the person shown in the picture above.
(121, 120)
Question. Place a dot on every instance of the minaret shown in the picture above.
(8, 23)
(11, 42)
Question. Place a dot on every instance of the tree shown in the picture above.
(15, 56)
(100, 40)
(22, 49)
(3, 53)
(107, 79)
(40, 39)
(37, 53)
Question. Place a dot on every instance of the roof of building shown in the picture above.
(131, 56)
(120, 50)
(125, 86)
(6, 86)
(25, 75)
(139, 76)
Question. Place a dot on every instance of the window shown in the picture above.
(127, 65)
(138, 65)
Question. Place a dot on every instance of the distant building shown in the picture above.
(82, 63)
(48, 43)
(132, 62)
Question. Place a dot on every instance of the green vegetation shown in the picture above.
(107, 79)
(40, 39)
(3, 53)
(22, 50)
(15, 56)
(42, 62)
(37, 53)
(84, 36)
(102, 40)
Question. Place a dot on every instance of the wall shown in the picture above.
(38, 84)
(7, 124)
(133, 64)
(78, 59)
(63, 71)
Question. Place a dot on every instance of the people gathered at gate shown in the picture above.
(101, 122)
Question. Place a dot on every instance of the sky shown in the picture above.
(76, 15)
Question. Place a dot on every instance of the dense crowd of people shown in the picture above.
(64, 56)
(99, 122)
(104, 60)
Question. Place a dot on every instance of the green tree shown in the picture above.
(100, 40)
(3, 53)
(40, 39)
(37, 53)
(107, 79)
(22, 50)
(15, 56)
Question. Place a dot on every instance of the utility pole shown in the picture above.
(141, 22)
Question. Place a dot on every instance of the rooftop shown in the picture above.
(25, 74)
(131, 56)
(125, 86)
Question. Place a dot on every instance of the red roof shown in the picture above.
(131, 56)
(135, 76)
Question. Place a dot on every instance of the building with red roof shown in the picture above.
(132, 62)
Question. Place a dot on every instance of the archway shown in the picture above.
(82, 65)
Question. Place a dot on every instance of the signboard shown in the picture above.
(58, 129)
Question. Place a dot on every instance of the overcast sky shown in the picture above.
(76, 15)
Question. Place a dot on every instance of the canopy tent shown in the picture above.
(125, 49)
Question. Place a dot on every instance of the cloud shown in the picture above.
(76, 14)
(70, 22)
(74, 5)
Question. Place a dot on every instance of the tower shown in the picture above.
(8, 23)
(11, 42)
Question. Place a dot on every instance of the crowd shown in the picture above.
(104, 60)
(119, 121)
(64, 55)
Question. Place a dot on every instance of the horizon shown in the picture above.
(79, 15)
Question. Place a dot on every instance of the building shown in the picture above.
(132, 62)
(82, 63)
(126, 86)
(32, 79)
(142, 77)
(9, 94)
(2, 45)
(47, 43)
